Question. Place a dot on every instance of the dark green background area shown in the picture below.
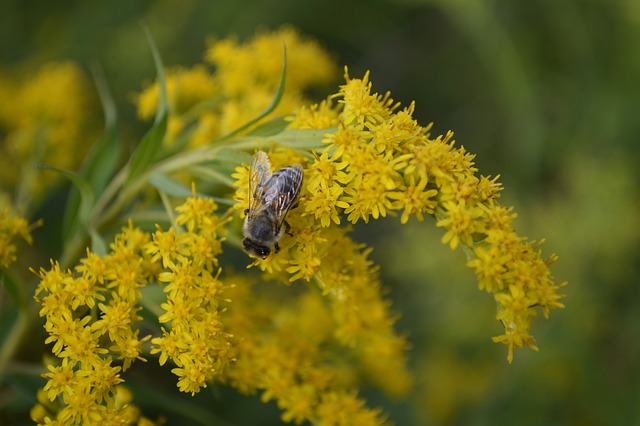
(546, 93)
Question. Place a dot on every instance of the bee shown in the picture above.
(271, 196)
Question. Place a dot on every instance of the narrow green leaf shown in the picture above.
(147, 149)
(211, 173)
(272, 105)
(168, 208)
(71, 213)
(86, 196)
(101, 162)
(106, 100)
(220, 169)
(302, 138)
(271, 127)
(232, 156)
(106, 161)
(98, 245)
(168, 185)
(149, 146)
(223, 201)
(157, 60)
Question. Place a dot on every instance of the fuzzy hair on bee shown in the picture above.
(271, 196)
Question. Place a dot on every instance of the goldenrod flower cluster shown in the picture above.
(196, 341)
(11, 227)
(287, 349)
(46, 121)
(215, 328)
(91, 315)
(328, 257)
(380, 161)
(91, 318)
(205, 104)
(309, 342)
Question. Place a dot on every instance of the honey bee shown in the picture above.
(271, 196)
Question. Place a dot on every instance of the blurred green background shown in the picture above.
(546, 93)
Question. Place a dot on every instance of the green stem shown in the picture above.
(167, 206)
(11, 343)
(177, 162)
(117, 195)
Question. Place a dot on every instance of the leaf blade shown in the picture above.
(168, 185)
(149, 146)
(86, 197)
(100, 164)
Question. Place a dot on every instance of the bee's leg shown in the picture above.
(287, 229)
(276, 247)
(246, 211)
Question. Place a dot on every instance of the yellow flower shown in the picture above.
(241, 182)
(102, 378)
(258, 63)
(206, 104)
(116, 319)
(12, 227)
(345, 139)
(86, 379)
(307, 347)
(360, 106)
(324, 202)
(342, 408)
(326, 171)
(187, 91)
(196, 344)
(379, 161)
(279, 352)
(168, 346)
(60, 379)
(490, 267)
(44, 117)
(303, 267)
(322, 251)
(196, 213)
(315, 116)
(415, 200)
(82, 345)
(167, 246)
(461, 223)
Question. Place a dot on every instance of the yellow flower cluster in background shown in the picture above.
(46, 121)
(11, 227)
(207, 104)
(286, 347)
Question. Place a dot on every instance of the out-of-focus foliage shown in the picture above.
(544, 92)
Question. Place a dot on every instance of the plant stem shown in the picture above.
(10, 345)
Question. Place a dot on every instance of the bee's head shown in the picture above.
(254, 249)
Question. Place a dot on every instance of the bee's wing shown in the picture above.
(259, 175)
(282, 192)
